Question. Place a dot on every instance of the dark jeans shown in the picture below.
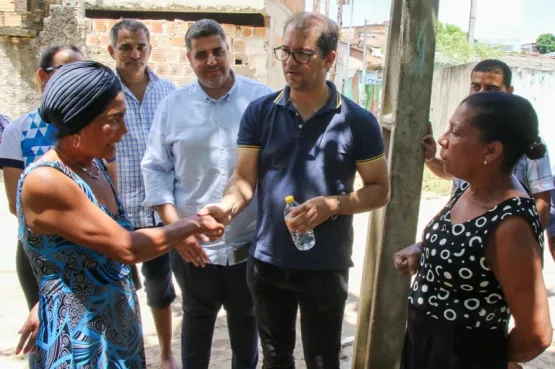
(205, 291)
(321, 296)
(159, 289)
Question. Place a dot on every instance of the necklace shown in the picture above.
(84, 169)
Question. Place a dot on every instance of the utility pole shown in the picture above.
(404, 116)
(327, 8)
(333, 71)
(348, 54)
(316, 6)
(472, 21)
(364, 66)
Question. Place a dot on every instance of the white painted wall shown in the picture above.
(451, 86)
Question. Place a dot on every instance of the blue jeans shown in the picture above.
(277, 295)
(205, 291)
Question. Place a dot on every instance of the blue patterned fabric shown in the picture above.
(88, 308)
(25, 140)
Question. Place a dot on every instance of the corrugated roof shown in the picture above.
(537, 62)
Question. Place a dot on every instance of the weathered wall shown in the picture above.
(451, 86)
(17, 58)
(279, 15)
(169, 56)
(18, 55)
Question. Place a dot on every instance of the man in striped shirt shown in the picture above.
(130, 48)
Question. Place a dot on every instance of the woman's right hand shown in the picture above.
(406, 260)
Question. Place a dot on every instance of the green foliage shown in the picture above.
(452, 47)
(546, 43)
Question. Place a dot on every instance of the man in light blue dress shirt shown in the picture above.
(130, 48)
(189, 159)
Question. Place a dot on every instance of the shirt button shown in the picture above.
(300, 126)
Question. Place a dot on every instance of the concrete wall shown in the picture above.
(451, 86)
(18, 55)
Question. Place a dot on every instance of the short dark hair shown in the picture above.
(495, 66)
(203, 28)
(132, 25)
(47, 55)
(329, 38)
(509, 119)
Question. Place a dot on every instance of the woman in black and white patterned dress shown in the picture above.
(480, 259)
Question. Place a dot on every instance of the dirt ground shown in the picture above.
(13, 308)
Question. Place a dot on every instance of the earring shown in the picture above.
(77, 141)
(485, 163)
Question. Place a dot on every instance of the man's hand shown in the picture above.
(218, 211)
(29, 332)
(192, 252)
(406, 260)
(210, 228)
(311, 214)
(429, 144)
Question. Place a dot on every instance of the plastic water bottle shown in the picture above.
(303, 241)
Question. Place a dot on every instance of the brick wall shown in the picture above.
(169, 59)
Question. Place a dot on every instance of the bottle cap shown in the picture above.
(289, 199)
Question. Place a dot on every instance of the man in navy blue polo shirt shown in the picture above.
(307, 141)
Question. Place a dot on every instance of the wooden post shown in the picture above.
(405, 112)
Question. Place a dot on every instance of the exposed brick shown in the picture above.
(162, 70)
(172, 56)
(178, 41)
(104, 40)
(92, 39)
(247, 31)
(183, 56)
(177, 70)
(156, 26)
(158, 56)
(110, 23)
(99, 25)
(169, 27)
(181, 27)
(260, 32)
(239, 59)
(162, 41)
(230, 29)
(238, 45)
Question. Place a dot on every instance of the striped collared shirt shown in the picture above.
(130, 151)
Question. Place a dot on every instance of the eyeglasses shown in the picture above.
(52, 68)
(300, 56)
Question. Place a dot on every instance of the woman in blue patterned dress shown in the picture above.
(76, 234)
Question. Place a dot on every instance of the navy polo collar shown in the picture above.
(333, 103)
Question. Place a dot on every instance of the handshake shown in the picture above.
(209, 222)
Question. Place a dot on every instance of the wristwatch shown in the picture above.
(334, 217)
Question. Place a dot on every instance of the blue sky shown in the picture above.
(522, 20)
